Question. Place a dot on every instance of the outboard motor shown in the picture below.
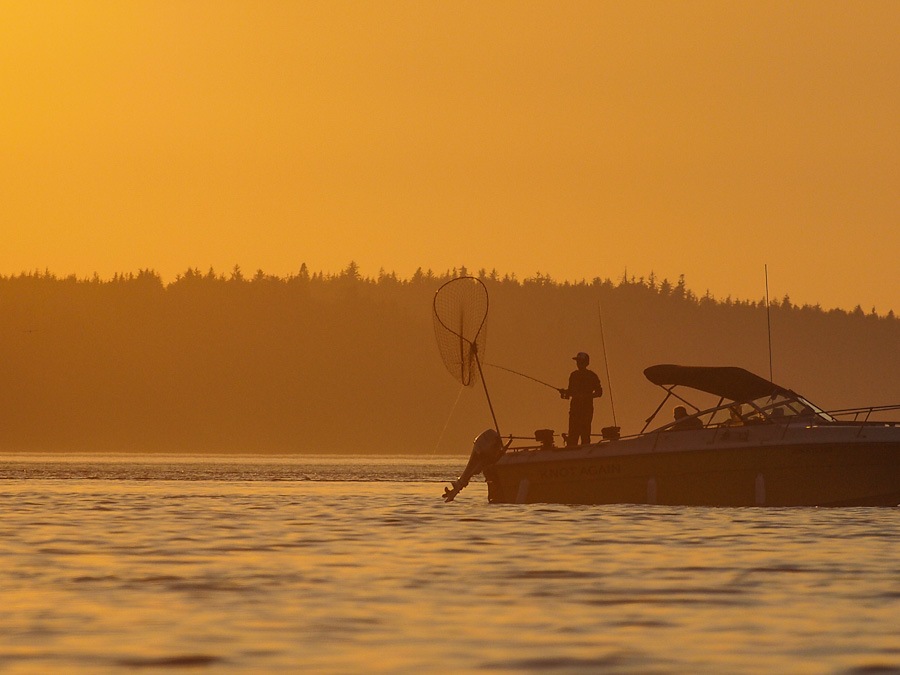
(486, 449)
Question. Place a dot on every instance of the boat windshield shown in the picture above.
(743, 398)
(780, 407)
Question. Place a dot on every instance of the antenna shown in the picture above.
(768, 322)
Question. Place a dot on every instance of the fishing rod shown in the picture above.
(768, 321)
(527, 377)
(606, 364)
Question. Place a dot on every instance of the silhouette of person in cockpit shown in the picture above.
(683, 421)
(584, 387)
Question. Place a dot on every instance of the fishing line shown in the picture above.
(449, 417)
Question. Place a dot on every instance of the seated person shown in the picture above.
(683, 421)
(777, 415)
(735, 416)
(807, 415)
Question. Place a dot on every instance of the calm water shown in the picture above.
(243, 564)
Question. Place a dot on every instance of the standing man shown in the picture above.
(584, 387)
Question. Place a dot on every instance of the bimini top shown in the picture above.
(735, 384)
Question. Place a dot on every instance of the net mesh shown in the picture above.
(460, 314)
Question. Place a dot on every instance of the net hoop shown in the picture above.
(460, 309)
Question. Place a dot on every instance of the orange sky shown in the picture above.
(570, 138)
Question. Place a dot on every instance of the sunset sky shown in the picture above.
(570, 138)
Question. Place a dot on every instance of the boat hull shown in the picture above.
(695, 468)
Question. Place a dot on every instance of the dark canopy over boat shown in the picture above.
(735, 384)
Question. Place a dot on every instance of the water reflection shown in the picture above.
(336, 575)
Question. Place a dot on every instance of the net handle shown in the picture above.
(486, 393)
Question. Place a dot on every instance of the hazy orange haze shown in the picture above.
(570, 138)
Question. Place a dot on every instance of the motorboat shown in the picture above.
(761, 444)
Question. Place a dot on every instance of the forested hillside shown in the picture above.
(318, 363)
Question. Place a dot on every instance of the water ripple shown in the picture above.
(238, 565)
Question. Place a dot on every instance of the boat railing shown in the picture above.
(755, 415)
(864, 414)
(861, 417)
(602, 441)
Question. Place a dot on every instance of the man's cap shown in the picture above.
(582, 356)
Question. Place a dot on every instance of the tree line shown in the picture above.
(314, 363)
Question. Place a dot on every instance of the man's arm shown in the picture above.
(567, 393)
(598, 387)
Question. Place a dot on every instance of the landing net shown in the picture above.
(460, 314)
